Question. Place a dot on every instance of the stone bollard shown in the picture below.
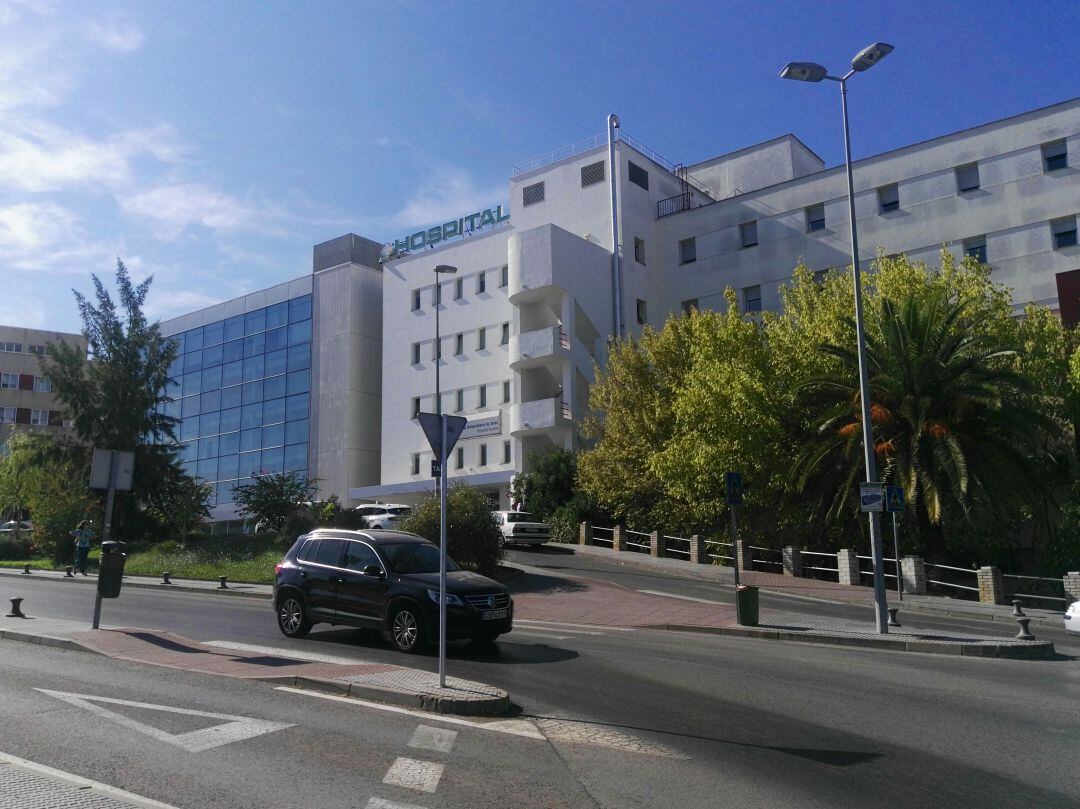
(68, 574)
(165, 578)
(892, 616)
(699, 551)
(913, 569)
(657, 544)
(1024, 633)
(585, 536)
(618, 538)
(26, 570)
(991, 585)
(16, 608)
(1071, 581)
(1017, 611)
(744, 555)
(793, 564)
(223, 585)
(847, 563)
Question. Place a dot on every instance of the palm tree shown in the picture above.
(952, 422)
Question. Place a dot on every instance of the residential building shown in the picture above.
(26, 395)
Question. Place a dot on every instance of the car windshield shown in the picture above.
(414, 557)
(399, 510)
(519, 516)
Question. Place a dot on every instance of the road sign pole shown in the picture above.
(735, 544)
(442, 556)
(106, 529)
(896, 553)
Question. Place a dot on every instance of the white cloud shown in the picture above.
(448, 194)
(45, 237)
(29, 226)
(12, 11)
(176, 207)
(115, 36)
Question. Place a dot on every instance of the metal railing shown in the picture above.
(953, 585)
(564, 339)
(681, 551)
(575, 148)
(715, 543)
(606, 535)
(835, 571)
(755, 561)
(637, 546)
(870, 572)
(1053, 589)
(673, 205)
(566, 414)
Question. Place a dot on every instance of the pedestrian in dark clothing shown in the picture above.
(83, 534)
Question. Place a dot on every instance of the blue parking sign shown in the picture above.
(734, 483)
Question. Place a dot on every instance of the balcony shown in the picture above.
(537, 347)
(540, 416)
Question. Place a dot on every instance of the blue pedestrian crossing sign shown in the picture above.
(894, 498)
(734, 484)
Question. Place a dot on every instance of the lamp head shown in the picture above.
(870, 56)
(804, 71)
(445, 269)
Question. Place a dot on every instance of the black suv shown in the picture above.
(385, 580)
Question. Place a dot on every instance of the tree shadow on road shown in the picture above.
(538, 583)
(504, 651)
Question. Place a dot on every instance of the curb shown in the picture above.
(1036, 650)
(471, 706)
(143, 585)
(46, 640)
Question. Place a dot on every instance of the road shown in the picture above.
(632, 719)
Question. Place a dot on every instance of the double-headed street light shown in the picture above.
(813, 72)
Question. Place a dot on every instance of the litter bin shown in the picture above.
(111, 568)
(746, 605)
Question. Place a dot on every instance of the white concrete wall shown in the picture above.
(757, 166)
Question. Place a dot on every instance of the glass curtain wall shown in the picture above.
(241, 389)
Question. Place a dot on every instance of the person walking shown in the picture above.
(83, 534)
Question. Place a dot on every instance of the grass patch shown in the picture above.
(35, 564)
(242, 560)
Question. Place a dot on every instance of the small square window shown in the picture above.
(416, 406)
(459, 460)
(748, 233)
(459, 289)
(506, 391)
(481, 400)
(1055, 155)
(459, 400)
(976, 248)
(415, 353)
(1064, 231)
(689, 306)
(506, 452)
(815, 218)
(592, 174)
(688, 250)
(638, 175)
(415, 299)
(416, 463)
(532, 194)
(888, 197)
(483, 455)
(459, 345)
(752, 299)
(481, 283)
(505, 334)
(639, 250)
(481, 339)
(504, 276)
(967, 177)
(642, 312)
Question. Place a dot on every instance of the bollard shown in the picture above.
(16, 608)
(223, 585)
(26, 570)
(1024, 633)
(1017, 612)
(68, 572)
(892, 616)
(165, 578)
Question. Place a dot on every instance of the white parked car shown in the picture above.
(519, 528)
(1072, 618)
(383, 515)
(14, 525)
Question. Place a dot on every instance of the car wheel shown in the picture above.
(407, 629)
(292, 617)
(484, 640)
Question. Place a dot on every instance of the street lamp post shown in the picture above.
(812, 72)
(442, 269)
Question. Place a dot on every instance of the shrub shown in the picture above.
(471, 532)
(297, 523)
(564, 524)
(16, 547)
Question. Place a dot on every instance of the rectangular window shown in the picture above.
(481, 283)
(639, 250)
(642, 312)
(415, 406)
(459, 460)
(688, 250)
(9, 381)
(504, 276)
(459, 403)
(888, 197)
(638, 175)
(415, 299)
(976, 248)
(481, 339)
(532, 194)
(436, 349)
(7, 415)
(967, 177)
(1064, 231)
(483, 455)
(689, 306)
(815, 218)
(481, 400)
(748, 233)
(592, 174)
(505, 334)
(416, 463)
(39, 418)
(506, 391)
(459, 289)
(42, 384)
(459, 345)
(506, 452)
(415, 353)
(752, 299)
(1055, 155)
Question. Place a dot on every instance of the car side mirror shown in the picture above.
(373, 570)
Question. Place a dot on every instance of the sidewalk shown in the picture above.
(150, 582)
(382, 682)
(818, 590)
(29, 785)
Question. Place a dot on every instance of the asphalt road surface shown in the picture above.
(630, 719)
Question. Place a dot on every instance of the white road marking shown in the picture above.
(411, 773)
(233, 728)
(513, 727)
(382, 803)
(294, 654)
(565, 627)
(86, 783)
(681, 598)
(526, 629)
(440, 740)
(539, 633)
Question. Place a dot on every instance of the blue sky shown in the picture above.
(213, 143)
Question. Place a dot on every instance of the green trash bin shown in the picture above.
(111, 569)
(746, 605)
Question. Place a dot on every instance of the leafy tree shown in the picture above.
(471, 533)
(182, 504)
(550, 481)
(271, 499)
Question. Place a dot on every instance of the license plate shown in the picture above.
(494, 615)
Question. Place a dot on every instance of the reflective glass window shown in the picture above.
(189, 406)
(252, 392)
(274, 387)
(176, 368)
(224, 492)
(189, 428)
(172, 409)
(232, 351)
(276, 362)
(255, 322)
(188, 451)
(253, 368)
(212, 356)
(299, 382)
(192, 383)
(210, 423)
(300, 309)
(273, 411)
(208, 448)
(250, 439)
(211, 378)
(250, 464)
(255, 344)
(230, 397)
(228, 467)
(299, 332)
(232, 373)
(278, 338)
(229, 443)
(251, 416)
(175, 387)
(277, 315)
(207, 470)
(193, 340)
(193, 362)
(295, 458)
(273, 436)
(230, 420)
(296, 407)
(296, 432)
(210, 401)
(234, 328)
(190, 468)
(180, 342)
(213, 334)
(273, 460)
(299, 357)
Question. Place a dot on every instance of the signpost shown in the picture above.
(894, 504)
(871, 497)
(733, 483)
(112, 470)
(442, 433)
